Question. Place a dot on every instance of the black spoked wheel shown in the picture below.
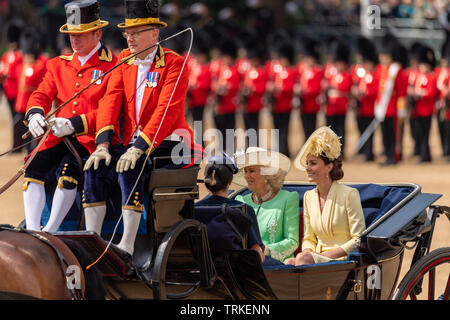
(185, 283)
(428, 279)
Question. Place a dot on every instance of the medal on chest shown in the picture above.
(96, 76)
(152, 79)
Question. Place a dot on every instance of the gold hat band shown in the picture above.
(140, 22)
(84, 27)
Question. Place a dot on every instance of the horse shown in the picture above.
(35, 265)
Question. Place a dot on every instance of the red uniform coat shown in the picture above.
(10, 62)
(338, 94)
(227, 86)
(64, 77)
(368, 85)
(425, 82)
(199, 84)
(255, 79)
(30, 76)
(399, 90)
(311, 85)
(284, 82)
(442, 77)
(119, 99)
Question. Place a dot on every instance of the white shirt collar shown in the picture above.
(148, 60)
(85, 59)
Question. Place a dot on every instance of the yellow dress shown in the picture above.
(339, 225)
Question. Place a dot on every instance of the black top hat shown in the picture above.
(82, 16)
(140, 13)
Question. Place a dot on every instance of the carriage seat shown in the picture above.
(376, 200)
(170, 199)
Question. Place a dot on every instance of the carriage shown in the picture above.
(173, 260)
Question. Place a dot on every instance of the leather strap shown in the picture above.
(77, 294)
(27, 163)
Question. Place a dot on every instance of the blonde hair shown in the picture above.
(275, 181)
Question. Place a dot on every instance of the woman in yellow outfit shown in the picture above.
(332, 212)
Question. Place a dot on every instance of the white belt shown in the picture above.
(172, 137)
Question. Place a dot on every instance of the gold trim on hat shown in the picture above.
(83, 27)
(140, 22)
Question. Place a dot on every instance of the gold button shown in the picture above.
(80, 75)
(77, 85)
(75, 103)
(140, 127)
(74, 112)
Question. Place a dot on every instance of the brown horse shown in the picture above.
(34, 265)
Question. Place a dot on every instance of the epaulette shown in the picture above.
(104, 54)
(67, 57)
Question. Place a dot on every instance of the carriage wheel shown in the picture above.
(429, 278)
(159, 282)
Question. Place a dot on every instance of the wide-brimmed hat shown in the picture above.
(322, 142)
(270, 161)
(82, 16)
(141, 13)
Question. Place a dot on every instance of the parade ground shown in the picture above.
(433, 177)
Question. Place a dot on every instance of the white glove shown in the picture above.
(61, 127)
(36, 125)
(101, 153)
(128, 159)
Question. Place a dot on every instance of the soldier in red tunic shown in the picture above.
(149, 91)
(282, 91)
(226, 94)
(30, 75)
(254, 87)
(424, 92)
(66, 75)
(10, 62)
(390, 104)
(442, 78)
(365, 91)
(338, 92)
(199, 86)
(309, 85)
(411, 74)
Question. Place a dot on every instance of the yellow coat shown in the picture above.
(340, 224)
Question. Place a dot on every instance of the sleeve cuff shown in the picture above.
(31, 111)
(144, 143)
(80, 124)
(105, 134)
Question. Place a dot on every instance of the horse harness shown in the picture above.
(77, 294)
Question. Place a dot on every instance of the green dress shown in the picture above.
(278, 221)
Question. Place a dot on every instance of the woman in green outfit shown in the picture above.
(277, 211)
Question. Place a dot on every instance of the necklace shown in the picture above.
(263, 198)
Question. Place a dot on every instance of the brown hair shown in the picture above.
(336, 173)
